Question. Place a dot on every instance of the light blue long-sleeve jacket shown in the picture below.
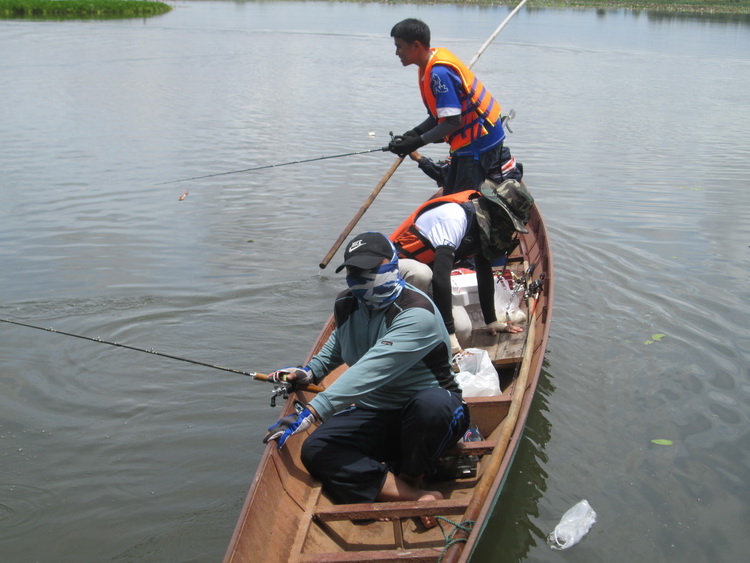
(391, 353)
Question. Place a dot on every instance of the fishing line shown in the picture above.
(127, 346)
(272, 166)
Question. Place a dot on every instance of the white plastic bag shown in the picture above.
(477, 376)
(507, 303)
(574, 524)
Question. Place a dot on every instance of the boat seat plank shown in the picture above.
(505, 349)
(367, 511)
(413, 555)
(483, 447)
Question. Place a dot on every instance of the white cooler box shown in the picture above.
(466, 295)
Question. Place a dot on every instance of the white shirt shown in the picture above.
(444, 225)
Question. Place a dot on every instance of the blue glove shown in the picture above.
(289, 425)
(292, 376)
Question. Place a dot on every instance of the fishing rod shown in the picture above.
(254, 375)
(397, 163)
(273, 166)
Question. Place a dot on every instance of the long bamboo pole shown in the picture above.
(361, 212)
(483, 48)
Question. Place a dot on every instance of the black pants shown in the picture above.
(352, 452)
(468, 173)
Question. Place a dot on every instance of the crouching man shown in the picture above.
(391, 414)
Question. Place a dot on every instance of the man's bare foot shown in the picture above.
(429, 521)
(406, 487)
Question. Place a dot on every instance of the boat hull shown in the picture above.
(287, 516)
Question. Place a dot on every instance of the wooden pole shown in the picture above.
(361, 212)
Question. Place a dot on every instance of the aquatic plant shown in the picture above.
(56, 9)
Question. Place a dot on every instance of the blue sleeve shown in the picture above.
(388, 374)
(446, 87)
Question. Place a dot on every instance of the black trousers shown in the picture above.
(352, 452)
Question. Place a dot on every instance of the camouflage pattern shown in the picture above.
(513, 198)
(504, 209)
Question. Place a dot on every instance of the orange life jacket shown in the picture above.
(477, 104)
(410, 243)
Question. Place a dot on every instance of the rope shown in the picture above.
(450, 540)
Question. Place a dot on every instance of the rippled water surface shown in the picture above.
(634, 132)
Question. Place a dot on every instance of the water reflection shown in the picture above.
(512, 529)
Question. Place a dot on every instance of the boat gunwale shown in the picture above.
(480, 506)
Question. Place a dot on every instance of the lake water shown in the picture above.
(634, 132)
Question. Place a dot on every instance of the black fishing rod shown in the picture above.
(279, 390)
(272, 166)
(150, 351)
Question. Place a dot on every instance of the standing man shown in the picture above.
(461, 111)
(391, 414)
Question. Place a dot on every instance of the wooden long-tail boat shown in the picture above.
(287, 516)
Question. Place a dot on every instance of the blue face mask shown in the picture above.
(379, 287)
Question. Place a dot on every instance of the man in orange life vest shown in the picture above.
(445, 230)
(461, 111)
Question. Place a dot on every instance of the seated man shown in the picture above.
(449, 229)
(391, 414)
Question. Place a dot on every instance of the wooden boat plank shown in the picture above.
(488, 412)
(413, 555)
(483, 447)
(505, 349)
(403, 509)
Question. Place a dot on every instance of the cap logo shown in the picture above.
(355, 245)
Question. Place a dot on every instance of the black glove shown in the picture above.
(406, 143)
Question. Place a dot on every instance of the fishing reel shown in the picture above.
(279, 390)
(535, 287)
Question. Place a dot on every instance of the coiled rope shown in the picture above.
(466, 526)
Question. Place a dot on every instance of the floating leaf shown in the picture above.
(648, 342)
(657, 337)
(662, 442)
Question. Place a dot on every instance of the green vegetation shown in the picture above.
(686, 7)
(676, 6)
(76, 9)
(57, 9)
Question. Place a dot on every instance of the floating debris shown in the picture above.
(184, 195)
(654, 338)
(574, 524)
(662, 442)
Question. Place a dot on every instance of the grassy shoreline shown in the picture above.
(696, 7)
(142, 8)
(74, 9)
(677, 6)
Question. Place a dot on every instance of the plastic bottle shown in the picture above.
(574, 524)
